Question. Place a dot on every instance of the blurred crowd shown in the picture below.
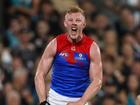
(28, 26)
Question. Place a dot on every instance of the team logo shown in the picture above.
(63, 54)
(80, 55)
(73, 48)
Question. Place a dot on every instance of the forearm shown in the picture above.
(40, 87)
(43, 70)
(91, 91)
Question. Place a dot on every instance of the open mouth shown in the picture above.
(74, 29)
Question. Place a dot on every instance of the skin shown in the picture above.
(77, 22)
(138, 100)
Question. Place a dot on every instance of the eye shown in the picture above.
(70, 20)
(78, 20)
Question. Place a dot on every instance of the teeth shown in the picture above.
(74, 28)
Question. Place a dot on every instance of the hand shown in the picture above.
(76, 103)
(44, 103)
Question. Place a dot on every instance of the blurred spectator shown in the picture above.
(136, 67)
(110, 43)
(109, 101)
(12, 34)
(90, 11)
(101, 22)
(122, 97)
(110, 9)
(29, 7)
(110, 38)
(17, 63)
(20, 78)
(52, 16)
(110, 88)
(26, 49)
(128, 38)
(133, 88)
(13, 98)
(137, 42)
(42, 37)
(8, 87)
(27, 97)
(24, 21)
(127, 21)
(6, 63)
(110, 50)
(127, 59)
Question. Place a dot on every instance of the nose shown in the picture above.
(74, 22)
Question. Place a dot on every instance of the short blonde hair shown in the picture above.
(75, 9)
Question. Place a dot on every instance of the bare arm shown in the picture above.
(43, 69)
(95, 72)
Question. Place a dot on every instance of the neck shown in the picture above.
(78, 39)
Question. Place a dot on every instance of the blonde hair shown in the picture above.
(75, 9)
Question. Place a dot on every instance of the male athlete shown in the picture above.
(76, 65)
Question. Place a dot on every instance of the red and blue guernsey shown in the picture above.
(70, 72)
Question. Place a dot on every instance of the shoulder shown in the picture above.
(52, 43)
(61, 36)
(94, 50)
(58, 37)
(51, 47)
(94, 47)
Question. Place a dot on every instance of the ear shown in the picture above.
(84, 25)
(65, 23)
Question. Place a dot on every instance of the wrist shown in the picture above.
(82, 101)
(44, 103)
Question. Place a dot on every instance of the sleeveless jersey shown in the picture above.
(70, 70)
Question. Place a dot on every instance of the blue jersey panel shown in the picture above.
(70, 79)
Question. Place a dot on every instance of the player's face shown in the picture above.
(74, 23)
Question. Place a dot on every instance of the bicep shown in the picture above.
(95, 70)
(47, 58)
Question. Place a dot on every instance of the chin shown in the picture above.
(73, 37)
